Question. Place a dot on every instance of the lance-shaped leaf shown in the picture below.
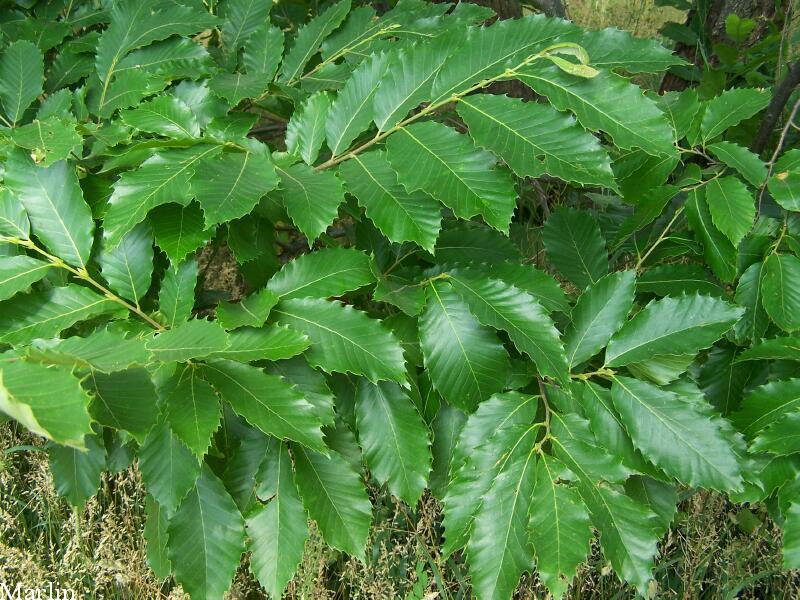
(251, 311)
(765, 405)
(310, 382)
(278, 531)
(243, 465)
(559, 526)
(101, 350)
(409, 79)
(607, 103)
(179, 230)
(322, 274)
(311, 198)
(305, 131)
(445, 429)
(13, 219)
(785, 188)
(400, 215)
(275, 342)
(351, 112)
(780, 290)
(235, 87)
(161, 179)
(173, 58)
(18, 273)
(394, 438)
(21, 76)
(611, 48)
(719, 252)
(438, 160)
(168, 467)
(76, 473)
(672, 326)
(48, 140)
(732, 207)
(48, 401)
(537, 283)
(730, 108)
(54, 203)
(241, 18)
(791, 536)
(503, 306)
(228, 186)
(575, 246)
(268, 402)
(155, 533)
(195, 339)
(165, 115)
(263, 51)
(599, 313)
(176, 297)
(534, 139)
(464, 359)
(779, 348)
(309, 38)
(335, 497)
(205, 567)
(128, 267)
(576, 446)
(46, 314)
(499, 549)
(675, 279)
(124, 400)
(193, 411)
(748, 164)
(677, 434)
(782, 437)
(344, 340)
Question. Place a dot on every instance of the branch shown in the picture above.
(782, 94)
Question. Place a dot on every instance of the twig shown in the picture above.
(775, 108)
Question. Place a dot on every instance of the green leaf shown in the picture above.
(400, 215)
(124, 400)
(672, 326)
(785, 189)
(575, 246)
(505, 307)
(765, 405)
(322, 274)
(46, 314)
(206, 539)
(782, 437)
(445, 429)
(18, 273)
(263, 51)
(559, 526)
(335, 497)
(13, 219)
(475, 244)
(48, 401)
(791, 537)
(275, 342)
(241, 18)
(76, 473)
(250, 311)
(499, 549)
(599, 313)
(278, 531)
(780, 289)
(311, 198)
(49, 140)
(607, 103)
(168, 467)
(176, 298)
(54, 203)
(165, 115)
(722, 379)
(538, 284)
(179, 230)
(161, 179)
(101, 350)
(438, 160)
(310, 382)
(229, 185)
(779, 348)
(675, 279)
(21, 76)
(305, 131)
(611, 48)
(677, 434)
(194, 339)
(309, 38)
(193, 411)
(344, 340)
(128, 268)
(173, 58)
(464, 359)
(352, 113)
(394, 438)
(719, 252)
(243, 465)
(730, 108)
(742, 160)
(732, 207)
(576, 446)
(155, 533)
(268, 402)
(534, 139)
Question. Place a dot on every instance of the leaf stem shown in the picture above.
(83, 274)
(660, 239)
(548, 412)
